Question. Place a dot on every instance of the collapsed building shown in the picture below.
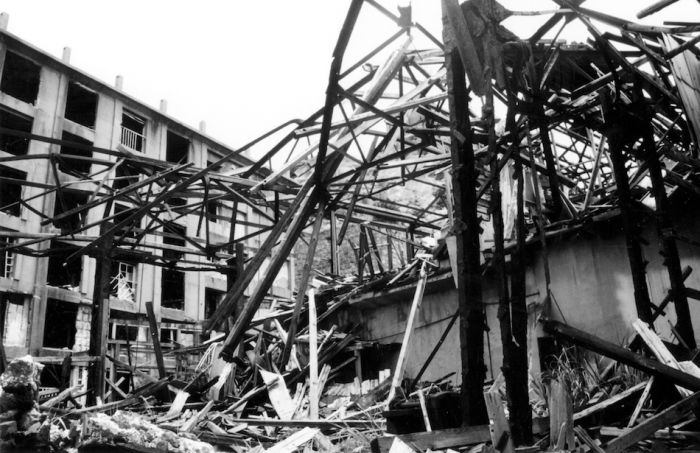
(460, 213)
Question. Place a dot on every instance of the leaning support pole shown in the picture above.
(303, 283)
(665, 233)
(615, 136)
(466, 229)
(100, 316)
(410, 326)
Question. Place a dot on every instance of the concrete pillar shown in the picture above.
(4, 20)
(163, 106)
(119, 82)
(50, 105)
(66, 55)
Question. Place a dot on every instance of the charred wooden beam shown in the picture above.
(466, 227)
(616, 136)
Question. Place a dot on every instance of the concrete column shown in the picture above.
(48, 121)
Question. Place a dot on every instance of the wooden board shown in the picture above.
(436, 440)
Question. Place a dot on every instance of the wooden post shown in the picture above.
(410, 325)
(303, 284)
(100, 314)
(313, 357)
(513, 315)
(3, 357)
(665, 232)
(334, 245)
(630, 224)
(156, 339)
(466, 228)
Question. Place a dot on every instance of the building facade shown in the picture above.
(47, 300)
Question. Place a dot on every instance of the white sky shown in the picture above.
(242, 66)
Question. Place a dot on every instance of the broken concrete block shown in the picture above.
(20, 384)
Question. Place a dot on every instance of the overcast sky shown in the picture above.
(242, 66)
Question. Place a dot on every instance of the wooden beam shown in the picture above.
(155, 338)
(621, 354)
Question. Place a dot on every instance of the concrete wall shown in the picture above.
(591, 285)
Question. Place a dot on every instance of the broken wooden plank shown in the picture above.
(649, 426)
(610, 401)
(279, 394)
(640, 403)
(561, 420)
(294, 441)
(436, 440)
(199, 416)
(501, 437)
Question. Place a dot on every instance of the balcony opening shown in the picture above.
(59, 328)
(20, 78)
(133, 131)
(177, 148)
(71, 200)
(123, 281)
(173, 280)
(62, 273)
(11, 190)
(212, 299)
(7, 258)
(13, 144)
(79, 159)
(81, 105)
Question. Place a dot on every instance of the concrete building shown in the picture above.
(46, 300)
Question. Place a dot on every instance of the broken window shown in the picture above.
(20, 78)
(63, 273)
(75, 159)
(212, 299)
(124, 178)
(133, 131)
(214, 211)
(66, 201)
(173, 280)
(11, 190)
(121, 213)
(14, 144)
(7, 263)
(168, 335)
(177, 148)
(59, 328)
(123, 282)
(81, 105)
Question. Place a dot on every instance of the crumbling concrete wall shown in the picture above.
(591, 285)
